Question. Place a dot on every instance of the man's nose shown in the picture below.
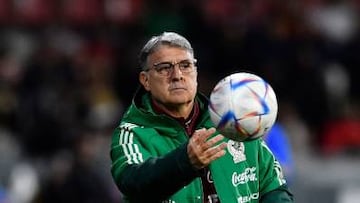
(176, 72)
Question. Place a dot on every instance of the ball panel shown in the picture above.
(243, 106)
(220, 98)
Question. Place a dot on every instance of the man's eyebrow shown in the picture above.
(184, 60)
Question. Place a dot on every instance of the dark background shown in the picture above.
(68, 69)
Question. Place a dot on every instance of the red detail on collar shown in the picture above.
(189, 123)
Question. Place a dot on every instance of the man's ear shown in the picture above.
(144, 80)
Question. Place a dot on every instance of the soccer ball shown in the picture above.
(243, 106)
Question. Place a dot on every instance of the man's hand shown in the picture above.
(202, 151)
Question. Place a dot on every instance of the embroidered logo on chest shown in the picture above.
(237, 150)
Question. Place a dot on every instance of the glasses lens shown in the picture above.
(186, 66)
(163, 68)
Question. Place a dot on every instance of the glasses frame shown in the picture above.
(170, 70)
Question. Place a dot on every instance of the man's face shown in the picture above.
(176, 88)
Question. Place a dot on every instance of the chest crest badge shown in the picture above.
(237, 150)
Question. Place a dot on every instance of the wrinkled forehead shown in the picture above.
(171, 52)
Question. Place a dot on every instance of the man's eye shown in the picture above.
(163, 66)
(185, 64)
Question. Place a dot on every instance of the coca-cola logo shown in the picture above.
(249, 174)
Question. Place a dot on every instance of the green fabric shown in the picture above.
(246, 173)
(281, 194)
(249, 178)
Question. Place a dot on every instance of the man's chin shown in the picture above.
(179, 102)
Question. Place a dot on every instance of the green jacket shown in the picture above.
(150, 162)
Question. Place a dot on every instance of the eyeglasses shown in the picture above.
(166, 68)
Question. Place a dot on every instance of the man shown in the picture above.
(166, 149)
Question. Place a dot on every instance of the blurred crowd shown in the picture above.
(68, 68)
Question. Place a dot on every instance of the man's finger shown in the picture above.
(205, 134)
(211, 142)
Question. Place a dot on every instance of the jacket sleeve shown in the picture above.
(273, 188)
(142, 178)
(279, 195)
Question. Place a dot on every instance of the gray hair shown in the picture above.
(166, 38)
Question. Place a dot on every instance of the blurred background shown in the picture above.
(68, 69)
